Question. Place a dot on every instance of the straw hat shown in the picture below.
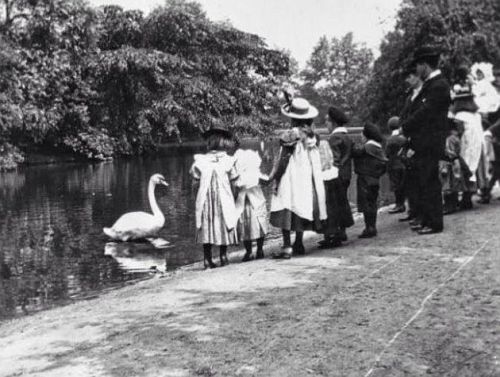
(299, 108)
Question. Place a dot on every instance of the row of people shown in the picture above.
(469, 154)
(309, 179)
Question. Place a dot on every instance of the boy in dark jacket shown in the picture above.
(370, 163)
(395, 167)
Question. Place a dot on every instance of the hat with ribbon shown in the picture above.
(299, 108)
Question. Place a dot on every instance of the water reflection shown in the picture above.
(52, 249)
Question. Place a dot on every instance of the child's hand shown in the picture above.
(264, 180)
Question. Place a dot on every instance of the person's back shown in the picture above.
(341, 145)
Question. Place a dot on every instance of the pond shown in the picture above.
(52, 248)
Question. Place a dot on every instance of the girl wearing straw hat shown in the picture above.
(298, 201)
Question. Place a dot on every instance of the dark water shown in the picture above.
(52, 249)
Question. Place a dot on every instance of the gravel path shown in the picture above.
(397, 305)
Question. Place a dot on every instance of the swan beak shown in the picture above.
(164, 183)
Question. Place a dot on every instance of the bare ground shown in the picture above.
(397, 305)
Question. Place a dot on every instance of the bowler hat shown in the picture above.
(372, 132)
(299, 108)
(337, 115)
(426, 52)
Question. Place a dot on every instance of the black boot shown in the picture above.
(223, 255)
(298, 246)
(248, 255)
(207, 256)
(370, 229)
(260, 248)
(466, 202)
(450, 203)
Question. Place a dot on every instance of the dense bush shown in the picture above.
(104, 81)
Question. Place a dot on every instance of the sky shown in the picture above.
(295, 25)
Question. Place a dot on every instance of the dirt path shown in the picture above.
(398, 305)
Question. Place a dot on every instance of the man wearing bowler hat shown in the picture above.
(425, 126)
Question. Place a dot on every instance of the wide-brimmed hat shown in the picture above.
(426, 52)
(299, 108)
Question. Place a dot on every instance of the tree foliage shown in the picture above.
(101, 81)
(466, 30)
(337, 73)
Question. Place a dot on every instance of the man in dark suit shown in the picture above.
(426, 128)
(414, 83)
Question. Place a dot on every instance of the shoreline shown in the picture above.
(330, 312)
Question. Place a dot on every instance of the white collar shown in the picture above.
(433, 74)
(339, 130)
(373, 142)
(395, 132)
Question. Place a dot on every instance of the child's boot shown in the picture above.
(207, 256)
(260, 248)
(248, 254)
(223, 255)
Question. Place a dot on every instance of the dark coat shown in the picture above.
(369, 160)
(341, 145)
(426, 120)
(393, 147)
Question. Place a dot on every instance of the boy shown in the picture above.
(370, 163)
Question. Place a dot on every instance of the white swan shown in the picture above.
(140, 225)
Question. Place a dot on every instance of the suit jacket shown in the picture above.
(341, 145)
(426, 122)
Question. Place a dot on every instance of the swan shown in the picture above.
(140, 225)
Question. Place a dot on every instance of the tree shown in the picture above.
(337, 73)
(466, 30)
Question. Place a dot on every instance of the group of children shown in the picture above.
(310, 179)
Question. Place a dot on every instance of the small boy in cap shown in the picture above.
(395, 166)
(370, 163)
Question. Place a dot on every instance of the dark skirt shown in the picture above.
(333, 207)
(345, 219)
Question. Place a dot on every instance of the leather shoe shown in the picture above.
(407, 218)
(414, 222)
(397, 209)
(368, 233)
(426, 230)
(416, 227)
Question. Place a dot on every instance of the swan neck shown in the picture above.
(152, 201)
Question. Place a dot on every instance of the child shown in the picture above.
(395, 167)
(341, 146)
(332, 226)
(298, 201)
(370, 164)
(216, 215)
(450, 169)
(250, 203)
